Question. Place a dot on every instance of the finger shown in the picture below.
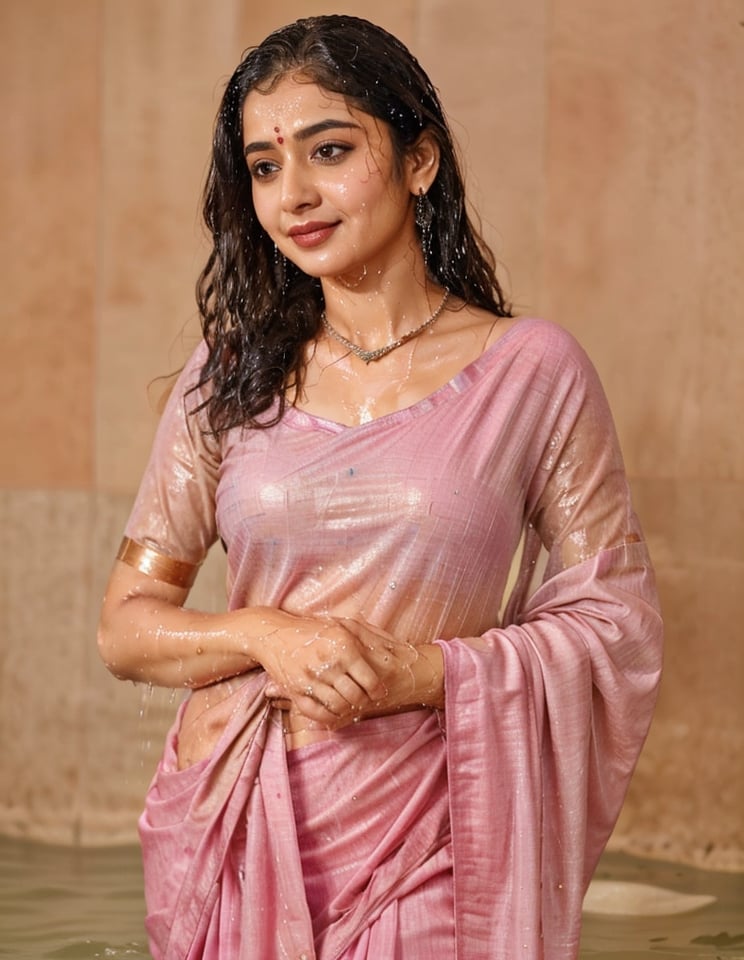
(316, 711)
(331, 705)
(333, 701)
(281, 703)
(365, 677)
(350, 690)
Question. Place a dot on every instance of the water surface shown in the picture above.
(69, 903)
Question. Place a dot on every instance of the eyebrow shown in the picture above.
(305, 134)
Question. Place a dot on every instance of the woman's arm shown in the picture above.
(146, 635)
(332, 671)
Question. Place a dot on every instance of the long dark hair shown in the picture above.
(259, 310)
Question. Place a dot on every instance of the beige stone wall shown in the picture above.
(604, 143)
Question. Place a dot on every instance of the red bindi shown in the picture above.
(278, 139)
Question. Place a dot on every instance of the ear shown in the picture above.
(422, 163)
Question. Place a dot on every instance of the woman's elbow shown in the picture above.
(113, 648)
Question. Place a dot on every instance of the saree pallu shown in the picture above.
(339, 850)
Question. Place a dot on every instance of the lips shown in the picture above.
(311, 234)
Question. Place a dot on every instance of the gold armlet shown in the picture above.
(176, 572)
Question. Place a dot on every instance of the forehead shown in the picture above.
(292, 103)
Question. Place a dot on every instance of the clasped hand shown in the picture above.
(336, 671)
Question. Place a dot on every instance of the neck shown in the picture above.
(380, 310)
(369, 355)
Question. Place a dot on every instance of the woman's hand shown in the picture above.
(413, 675)
(336, 672)
(319, 668)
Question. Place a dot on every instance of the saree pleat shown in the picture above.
(372, 820)
(236, 845)
(193, 818)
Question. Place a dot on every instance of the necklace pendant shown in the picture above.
(367, 356)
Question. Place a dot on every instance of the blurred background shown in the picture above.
(604, 148)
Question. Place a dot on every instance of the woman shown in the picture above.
(378, 758)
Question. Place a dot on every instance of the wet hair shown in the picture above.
(258, 309)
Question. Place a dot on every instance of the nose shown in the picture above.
(298, 190)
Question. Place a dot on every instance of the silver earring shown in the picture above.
(424, 218)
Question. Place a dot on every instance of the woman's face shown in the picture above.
(326, 185)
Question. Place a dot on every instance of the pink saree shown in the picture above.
(478, 829)
(242, 846)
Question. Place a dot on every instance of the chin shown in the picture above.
(346, 275)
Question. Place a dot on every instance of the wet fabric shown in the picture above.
(412, 521)
(372, 819)
(340, 848)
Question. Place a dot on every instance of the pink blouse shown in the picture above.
(411, 520)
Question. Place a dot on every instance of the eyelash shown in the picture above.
(332, 145)
(262, 169)
(259, 171)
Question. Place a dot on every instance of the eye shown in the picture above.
(262, 169)
(330, 151)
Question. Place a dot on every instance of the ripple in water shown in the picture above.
(67, 903)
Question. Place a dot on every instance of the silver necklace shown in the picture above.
(369, 355)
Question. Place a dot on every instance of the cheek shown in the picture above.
(358, 192)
